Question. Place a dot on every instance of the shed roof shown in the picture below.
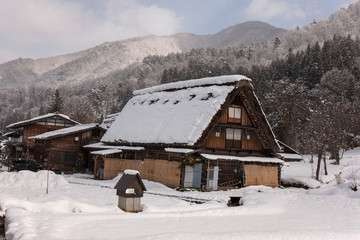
(126, 180)
(100, 145)
(38, 118)
(8, 134)
(243, 159)
(290, 156)
(65, 131)
(179, 150)
(175, 113)
(106, 151)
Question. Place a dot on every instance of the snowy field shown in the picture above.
(78, 207)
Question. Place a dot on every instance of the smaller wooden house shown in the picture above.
(130, 189)
(19, 144)
(63, 149)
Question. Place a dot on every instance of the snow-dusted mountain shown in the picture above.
(101, 60)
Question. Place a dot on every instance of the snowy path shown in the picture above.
(88, 209)
(268, 214)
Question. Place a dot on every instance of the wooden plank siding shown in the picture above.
(65, 153)
(252, 142)
(158, 170)
(214, 140)
(34, 129)
(256, 174)
(217, 137)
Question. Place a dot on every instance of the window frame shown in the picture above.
(234, 113)
(233, 137)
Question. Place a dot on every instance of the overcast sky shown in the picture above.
(43, 28)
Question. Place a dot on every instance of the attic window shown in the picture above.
(153, 101)
(209, 95)
(176, 102)
(235, 112)
(165, 101)
(192, 96)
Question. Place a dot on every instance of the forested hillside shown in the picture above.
(308, 82)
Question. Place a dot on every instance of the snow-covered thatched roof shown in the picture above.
(39, 118)
(175, 113)
(65, 131)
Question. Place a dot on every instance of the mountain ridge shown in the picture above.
(97, 62)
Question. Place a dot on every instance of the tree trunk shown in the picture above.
(319, 155)
(325, 168)
(335, 155)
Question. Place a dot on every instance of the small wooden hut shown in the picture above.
(130, 189)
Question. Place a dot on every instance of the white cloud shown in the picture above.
(266, 10)
(50, 27)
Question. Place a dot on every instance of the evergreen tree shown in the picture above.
(56, 104)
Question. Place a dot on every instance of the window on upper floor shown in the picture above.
(233, 138)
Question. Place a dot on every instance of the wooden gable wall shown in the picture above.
(34, 129)
(65, 152)
(249, 140)
(42, 126)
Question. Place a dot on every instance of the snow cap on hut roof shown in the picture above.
(38, 118)
(127, 180)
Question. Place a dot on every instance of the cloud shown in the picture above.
(266, 10)
(42, 28)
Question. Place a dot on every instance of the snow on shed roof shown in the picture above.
(34, 119)
(8, 134)
(64, 131)
(244, 159)
(179, 150)
(290, 156)
(106, 152)
(168, 117)
(100, 145)
(221, 80)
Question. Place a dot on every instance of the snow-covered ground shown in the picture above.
(78, 207)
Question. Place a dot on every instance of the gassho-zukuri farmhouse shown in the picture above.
(208, 133)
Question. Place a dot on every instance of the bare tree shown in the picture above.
(79, 109)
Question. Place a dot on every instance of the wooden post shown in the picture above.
(47, 182)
